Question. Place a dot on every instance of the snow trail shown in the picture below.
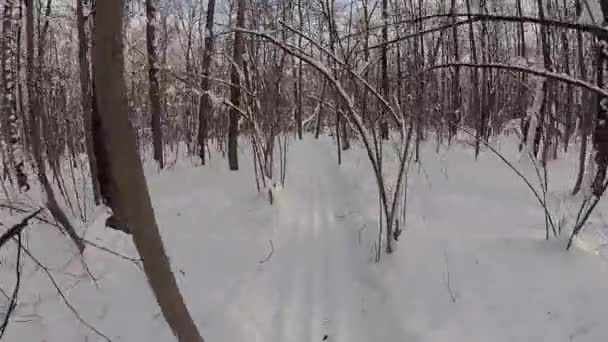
(473, 220)
(320, 273)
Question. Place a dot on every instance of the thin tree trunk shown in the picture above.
(474, 103)
(600, 135)
(235, 90)
(523, 77)
(384, 62)
(154, 86)
(545, 108)
(584, 117)
(320, 115)
(298, 86)
(11, 25)
(85, 94)
(126, 170)
(205, 105)
(456, 100)
(35, 113)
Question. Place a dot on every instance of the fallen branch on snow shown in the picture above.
(13, 300)
(270, 254)
(448, 281)
(63, 296)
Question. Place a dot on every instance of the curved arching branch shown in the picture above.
(589, 28)
(537, 72)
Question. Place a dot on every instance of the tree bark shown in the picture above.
(584, 118)
(384, 62)
(298, 85)
(35, 112)
(600, 134)
(456, 100)
(85, 94)
(10, 27)
(125, 168)
(235, 90)
(205, 106)
(154, 91)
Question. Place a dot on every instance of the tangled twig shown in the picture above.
(63, 297)
(13, 300)
(16, 229)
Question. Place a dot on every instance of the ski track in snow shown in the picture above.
(325, 288)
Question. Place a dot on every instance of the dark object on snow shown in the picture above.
(325, 337)
(22, 178)
(397, 231)
(114, 223)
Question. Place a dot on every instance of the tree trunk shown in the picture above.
(154, 91)
(456, 100)
(545, 108)
(85, 93)
(126, 172)
(584, 118)
(235, 90)
(521, 96)
(35, 112)
(10, 27)
(474, 102)
(600, 134)
(205, 106)
(384, 62)
(298, 86)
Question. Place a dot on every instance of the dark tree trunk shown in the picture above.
(85, 93)
(456, 100)
(600, 134)
(235, 90)
(154, 91)
(205, 106)
(10, 27)
(126, 171)
(584, 117)
(384, 62)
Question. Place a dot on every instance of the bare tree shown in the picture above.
(125, 168)
(600, 135)
(10, 28)
(205, 105)
(154, 91)
(85, 89)
(235, 90)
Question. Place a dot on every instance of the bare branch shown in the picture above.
(63, 297)
(472, 17)
(16, 229)
(538, 72)
(13, 300)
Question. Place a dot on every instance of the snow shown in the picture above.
(471, 265)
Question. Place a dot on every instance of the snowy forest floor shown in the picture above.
(471, 265)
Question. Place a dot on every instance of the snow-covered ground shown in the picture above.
(471, 265)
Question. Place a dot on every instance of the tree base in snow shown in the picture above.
(114, 223)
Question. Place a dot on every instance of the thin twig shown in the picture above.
(447, 269)
(269, 255)
(13, 301)
(581, 223)
(135, 261)
(16, 229)
(63, 297)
